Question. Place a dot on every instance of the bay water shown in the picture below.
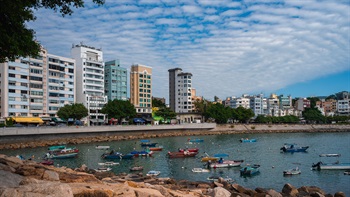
(265, 152)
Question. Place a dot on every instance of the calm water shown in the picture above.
(266, 152)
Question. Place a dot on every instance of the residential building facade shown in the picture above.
(256, 104)
(90, 81)
(302, 103)
(180, 91)
(141, 89)
(115, 81)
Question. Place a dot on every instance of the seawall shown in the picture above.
(32, 137)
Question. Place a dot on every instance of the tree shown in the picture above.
(219, 112)
(313, 101)
(76, 111)
(119, 109)
(313, 115)
(16, 40)
(165, 113)
(157, 103)
(242, 114)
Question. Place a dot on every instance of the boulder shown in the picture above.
(273, 193)
(51, 175)
(9, 179)
(339, 194)
(290, 190)
(146, 192)
(313, 189)
(316, 194)
(219, 192)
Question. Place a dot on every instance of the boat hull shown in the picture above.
(331, 166)
(181, 154)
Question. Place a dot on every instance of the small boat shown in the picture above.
(195, 140)
(148, 143)
(55, 148)
(212, 159)
(181, 154)
(159, 148)
(61, 156)
(102, 147)
(136, 168)
(293, 171)
(331, 166)
(293, 148)
(116, 155)
(189, 149)
(227, 164)
(249, 170)
(216, 179)
(153, 173)
(247, 140)
(103, 169)
(65, 151)
(108, 163)
(200, 170)
(47, 162)
(330, 155)
(142, 153)
(347, 172)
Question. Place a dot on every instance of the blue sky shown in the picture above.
(294, 47)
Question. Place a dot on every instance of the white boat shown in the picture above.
(347, 172)
(102, 147)
(216, 179)
(153, 173)
(200, 170)
(293, 171)
(330, 155)
(227, 164)
(331, 166)
(108, 163)
(103, 169)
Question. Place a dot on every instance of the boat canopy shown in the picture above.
(221, 155)
(35, 120)
(144, 141)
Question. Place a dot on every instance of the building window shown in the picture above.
(12, 91)
(12, 75)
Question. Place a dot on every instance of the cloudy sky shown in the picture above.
(294, 47)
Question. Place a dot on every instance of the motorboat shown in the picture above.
(136, 168)
(108, 163)
(227, 164)
(181, 154)
(330, 155)
(200, 170)
(102, 147)
(293, 171)
(103, 169)
(153, 173)
(250, 170)
(293, 148)
(247, 140)
(331, 166)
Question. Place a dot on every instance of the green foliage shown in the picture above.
(76, 111)
(219, 112)
(9, 122)
(242, 114)
(165, 113)
(273, 119)
(119, 109)
(252, 127)
(313, 101)
(157, 103)
(16, 39)
(338, 119)
(333, 96)
(313, 115)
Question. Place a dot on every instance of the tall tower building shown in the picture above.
(90, 81)
(115, 81)
(180, 91)
(141, 89)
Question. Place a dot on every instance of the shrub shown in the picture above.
(252, 127)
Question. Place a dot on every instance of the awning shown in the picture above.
(28, 120)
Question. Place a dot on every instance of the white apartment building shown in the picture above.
(90, 81)
(180, 91)
(256, 104)
(273, 106)
(240, 101)
(343, 107)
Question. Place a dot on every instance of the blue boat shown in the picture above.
(293, 148)
(61, 156)
(195, 140)
(247, 140)
(250, 170)
(116, 155)
(56, 148)
(148, 143)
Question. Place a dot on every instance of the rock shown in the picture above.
(290, 190)
(7, 168)
(339, 194)
(313, 189)
(51, 175)
(146, 192)
(9, 179)
(243, 190)
(260, 190)
(161, 189)
(316, 194)
(219, 192)
(218, 184)
(273, 193)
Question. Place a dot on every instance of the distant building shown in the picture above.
(329, 107)
(115, 81)
(90, 81)
(180, 91)
(273, 105)
(240, 102)
(285, 102)
(141, 89)
(343, 107)
(302, 103)
(256, 104)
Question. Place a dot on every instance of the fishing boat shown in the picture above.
(293, 171)
(331, 166)
(103, 169)
(136, 168)
(153, 173)
(159, 148)
(227, 164)
(247, 140)
(293, 148)
(189, 149)
(148, 143)
(65, 151)
(215, 158)
(108, 163)
(102, 147)
(60, 156)
(116, 155)
(330, 155)
(249, 170)
(56, 148)
(200, 170)
(141, 153)
(181, 154)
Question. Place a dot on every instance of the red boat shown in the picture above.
(156, 148)
(47, 162)
(189, 150)
(182, 154)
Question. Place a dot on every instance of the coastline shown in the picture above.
(78, 135)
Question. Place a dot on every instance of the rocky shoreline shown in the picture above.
(218, 130)
(28, 178)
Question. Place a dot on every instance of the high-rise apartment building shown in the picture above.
(285, 102)
(141, 89)
(90, 81)
(115, 81)
(256, 104)
(180, 91)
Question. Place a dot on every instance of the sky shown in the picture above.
(295, 47)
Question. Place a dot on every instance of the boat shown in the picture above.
(293, 171)
(227, 164)
(141, 153)
(347, 172)
(249, 170)
(215, 158)
(102, 147)
(159, 148)
(195, 140)
(103, 169)
(47, 162)
(293, 148)
(148, 143)
(108, 163)
(247, 140)
(60, 156)
(200, 170)
(181, 154)
(116, 155)
(331, 166)
(65, 151)
(153, 173)
(55, 148)
(216, 179)
(136, 168)
(189, 149)
(330, 155)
